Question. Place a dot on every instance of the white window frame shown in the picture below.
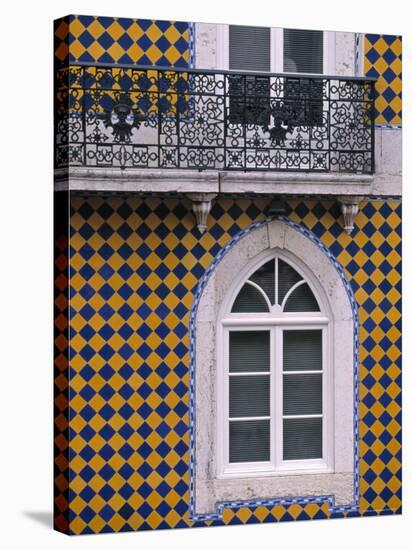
(276, 50)
(276, 321)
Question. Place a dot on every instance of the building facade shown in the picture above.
(227, 274)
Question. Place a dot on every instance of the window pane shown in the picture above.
(302, 394)
(304, 101)
(248, 99)
(287, 277)
(302, 438)
(265, 278)
(249, 48)
(249, 441)
(249, 396)
(302, 350)
(301, 299)
(302, 51)
(249, 351)
(249, 300)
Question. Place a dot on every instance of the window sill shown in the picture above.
(282, 470)
(283, 486)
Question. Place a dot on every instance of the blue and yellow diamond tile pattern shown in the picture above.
(134, 267)
(81, 38)
(61, 365)
(383, 60)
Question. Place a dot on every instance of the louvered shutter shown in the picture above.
(249, 50)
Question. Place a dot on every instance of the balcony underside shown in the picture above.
(168, 182)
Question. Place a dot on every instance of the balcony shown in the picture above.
(146, 119)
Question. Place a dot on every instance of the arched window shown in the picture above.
(273, 372)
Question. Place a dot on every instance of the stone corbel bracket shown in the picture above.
(350, 208)
(201, 205)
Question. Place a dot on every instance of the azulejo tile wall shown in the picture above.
(81, 38)
(123, 462)
(383, 60)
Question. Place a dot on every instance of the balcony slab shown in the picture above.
(223, 182)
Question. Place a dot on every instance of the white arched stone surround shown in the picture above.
(209, 490)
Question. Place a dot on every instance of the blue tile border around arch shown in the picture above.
(329, 499)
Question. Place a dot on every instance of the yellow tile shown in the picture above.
(381, 45)
(115, 30)
(96, 524)
(95, 50)
(243, 514)
(77, 525)
(135, 52)
(173, 35)
(76, 27)
(76, 49)
(396, 46)
(135, 31)
(153, 32)
(116, 522)
(173, 55)
(396, 104)
(96, 29)
(154, 520)
(154, 54)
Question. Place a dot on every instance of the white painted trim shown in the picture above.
(222, 46)
(329, 52)
(261, 291)
(289, 292)
(276, 50)
(261, 259)
(265, 319)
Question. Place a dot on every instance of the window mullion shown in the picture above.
(278, 401)
(272, 399)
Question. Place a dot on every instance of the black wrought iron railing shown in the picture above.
(148, 117)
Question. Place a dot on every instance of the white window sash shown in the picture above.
(276, 465)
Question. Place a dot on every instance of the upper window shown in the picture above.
(302, 51)
(278, 50)
(275, 375)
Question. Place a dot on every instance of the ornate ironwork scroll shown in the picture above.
(112, 116)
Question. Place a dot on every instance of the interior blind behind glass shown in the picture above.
(287, 277)
(302, 394)
(249, 396)
(249, 48)
(302, 51)
(249, 441)
(301, 299)
(249, 300)
(264, 276)
(302, 438)
(302, 350)
(249, 351)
